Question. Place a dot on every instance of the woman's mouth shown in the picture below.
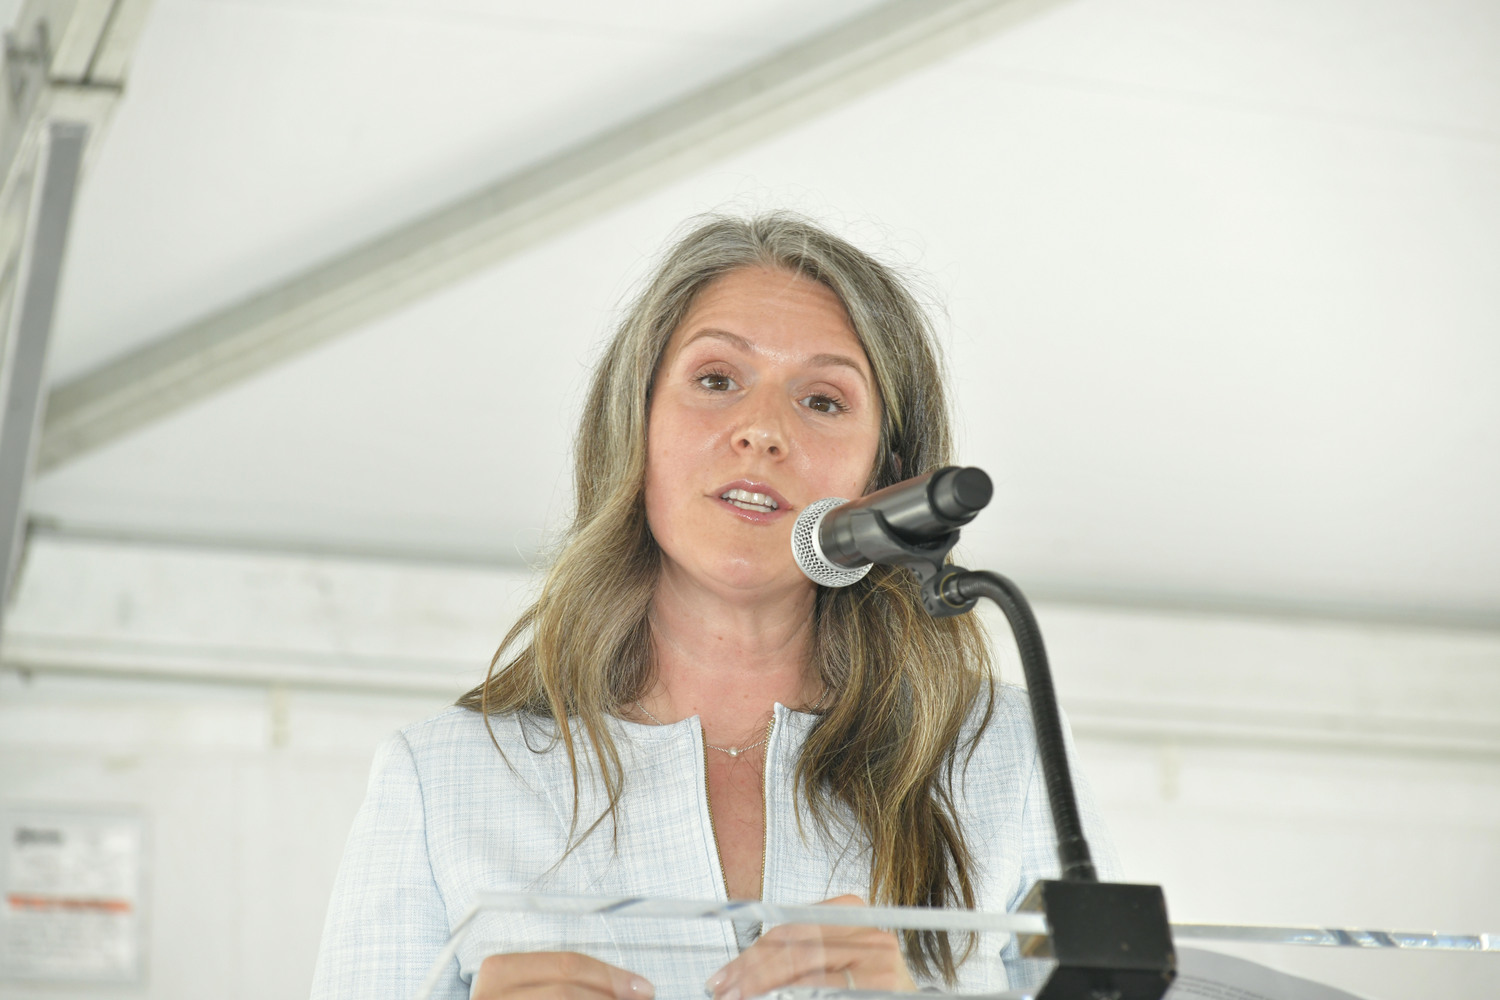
(745, 500)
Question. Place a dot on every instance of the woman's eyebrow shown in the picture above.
(817, 360)
(733, 338)
(824, 360)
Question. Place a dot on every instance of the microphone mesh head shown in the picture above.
(809, 555)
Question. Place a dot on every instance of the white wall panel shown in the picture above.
(1316, 837)
(245, 834)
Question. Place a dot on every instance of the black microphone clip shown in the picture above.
(914, 524)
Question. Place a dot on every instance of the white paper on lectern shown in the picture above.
(1209, 975)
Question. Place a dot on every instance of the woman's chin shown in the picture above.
(745, 579)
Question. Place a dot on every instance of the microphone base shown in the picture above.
(1111, 940)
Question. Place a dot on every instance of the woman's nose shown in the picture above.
(761, 434)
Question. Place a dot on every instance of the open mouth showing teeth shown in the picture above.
(745, 500)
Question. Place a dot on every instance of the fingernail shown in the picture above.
(641, 988)
(713, 982)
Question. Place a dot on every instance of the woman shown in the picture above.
(682, 713)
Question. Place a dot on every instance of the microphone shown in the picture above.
(835, 542)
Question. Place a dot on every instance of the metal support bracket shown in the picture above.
(64, 66)
(26, 69)
(30, 332)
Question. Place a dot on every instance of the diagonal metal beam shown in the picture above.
(417, 259)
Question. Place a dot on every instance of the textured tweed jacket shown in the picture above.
(445, 817)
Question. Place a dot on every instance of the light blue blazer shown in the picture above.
(446, 817)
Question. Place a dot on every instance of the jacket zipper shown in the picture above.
(708, 800)
(765, 794)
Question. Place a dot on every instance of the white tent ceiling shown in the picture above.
(1221, 281)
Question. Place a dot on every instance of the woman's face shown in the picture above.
(764, 402)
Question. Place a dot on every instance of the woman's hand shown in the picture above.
(556, 974)
(863, 958)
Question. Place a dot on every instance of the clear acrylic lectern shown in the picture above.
(689, 938)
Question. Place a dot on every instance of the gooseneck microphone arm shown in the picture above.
(1109, 939)
(915, 524)
(966, 586)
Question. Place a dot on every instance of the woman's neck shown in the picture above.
(729, 661)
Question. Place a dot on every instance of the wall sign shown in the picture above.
(71, 894)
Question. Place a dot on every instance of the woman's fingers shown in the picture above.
(782, 956)
(800, 955)
(844, 900)
(557, 974)
(815, 955)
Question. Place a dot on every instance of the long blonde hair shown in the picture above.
(903, 684)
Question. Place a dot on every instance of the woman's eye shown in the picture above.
(716, 382)
(823, 404)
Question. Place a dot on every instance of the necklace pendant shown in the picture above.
(734, 751)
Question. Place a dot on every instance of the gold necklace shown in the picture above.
(731, 751)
